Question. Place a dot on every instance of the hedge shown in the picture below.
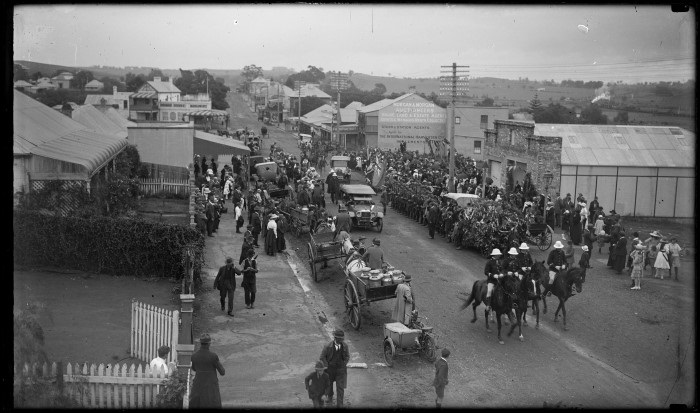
(118, 246)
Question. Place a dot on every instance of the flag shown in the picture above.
(380, 172)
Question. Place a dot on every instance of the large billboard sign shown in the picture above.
(412, 120)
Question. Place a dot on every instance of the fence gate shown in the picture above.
(152, 327)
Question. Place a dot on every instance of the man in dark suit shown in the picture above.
(558, 207)
(433, 216)
(440, 380)
(342, 222)
(225, 282)
(336, 356)
(257, 226)
(205, 386)
(210, 212)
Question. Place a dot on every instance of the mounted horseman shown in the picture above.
(561, 283)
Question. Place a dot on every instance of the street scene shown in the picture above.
(511, 233)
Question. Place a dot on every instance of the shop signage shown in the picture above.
(411, 120)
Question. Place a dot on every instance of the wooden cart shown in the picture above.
(358, 292)
(322, 248)
(298, 221)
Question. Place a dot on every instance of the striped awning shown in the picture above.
(143, 95)
(208, 112)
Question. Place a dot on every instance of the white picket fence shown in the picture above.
(152, 327)
(103, 386)
(153, 186)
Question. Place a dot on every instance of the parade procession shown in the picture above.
(215, 216)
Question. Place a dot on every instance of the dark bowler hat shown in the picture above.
(338, 333)
(407, 278)
(229, 260)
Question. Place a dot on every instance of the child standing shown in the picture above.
(317, 384)
(637, 266)
(661, 264)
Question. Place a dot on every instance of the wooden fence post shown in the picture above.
(162, 181)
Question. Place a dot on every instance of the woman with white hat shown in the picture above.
(271, 236)
(556, 261)
(493, 270)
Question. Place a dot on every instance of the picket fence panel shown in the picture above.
(152, 327)
(172, 186)
(110, 386)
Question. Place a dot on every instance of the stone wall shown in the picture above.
(514, 140)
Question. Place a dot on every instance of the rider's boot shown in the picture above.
(488, 303)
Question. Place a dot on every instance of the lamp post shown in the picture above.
(548, 177)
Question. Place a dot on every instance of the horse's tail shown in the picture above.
(470, 297)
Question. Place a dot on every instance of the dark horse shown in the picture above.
(526, 290)
(530, 288)
(502, 298)
(562, 289)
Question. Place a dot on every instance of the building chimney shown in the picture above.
(114, 91)
(156, 78)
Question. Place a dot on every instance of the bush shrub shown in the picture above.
(118, 246)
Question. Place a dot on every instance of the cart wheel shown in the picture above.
(380, 224)
(389, 351)
(544, 241)
(352, 304)
(312, 262)
(428, 349)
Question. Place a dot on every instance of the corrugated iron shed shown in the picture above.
(40, 130)
(627, 145)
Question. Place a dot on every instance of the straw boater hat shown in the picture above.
(524, 246)
(585, 247)
(558, 245)
(639, 246)
(513, 251)
(273, 216)
(655, 234)
(496, 251)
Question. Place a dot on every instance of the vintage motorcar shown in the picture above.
(357, 201)
(340, 165)
(463, 200)
(266, 170)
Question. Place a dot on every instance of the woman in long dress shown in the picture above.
(620, 254)
(575, 231)
(271, 236)
(661, 264)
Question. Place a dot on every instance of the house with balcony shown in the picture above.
(117, 100)
(144, 103)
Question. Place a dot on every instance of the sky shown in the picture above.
(543, 42)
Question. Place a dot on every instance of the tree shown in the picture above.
(486, 102)
(310, 103)
(379, 89)
(36, 76)
(251, 72)
(80, 79)
(593, 115)
(134, 82)
(622, 118)
(20, 73)
(312, 74)
(535, 104)
(191, 83)
(554, 113)
(60, 96)
(156, 73)
(110, 82)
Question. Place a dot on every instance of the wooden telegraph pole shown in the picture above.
(454, 82)
(298, 84)
(339, 81)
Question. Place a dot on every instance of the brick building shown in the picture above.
(514, 143)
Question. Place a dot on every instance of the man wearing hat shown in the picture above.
(584, 261)
(257, 225)
(440, 380)
(205, 386)
(225, 282)
(493, 270)
(433, 217)
(336, 356)
(210, 212)
(374, 256)
(557, 262)
(247, 246)
(405, 302)
(318, 384)
(524, 260)
(509, 264)
(384, 198)
(342, 222)
(250, 268)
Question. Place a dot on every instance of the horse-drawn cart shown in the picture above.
(298, 221)
(360, 290)
(322, 248)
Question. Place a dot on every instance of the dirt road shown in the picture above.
(623, 349)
